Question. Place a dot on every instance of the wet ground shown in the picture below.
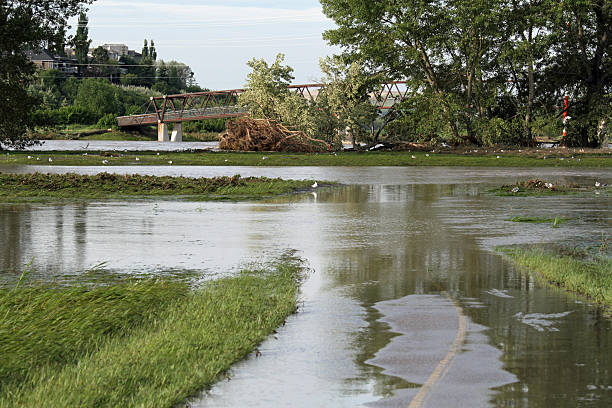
(408, 303)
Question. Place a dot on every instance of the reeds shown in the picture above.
(151, 343)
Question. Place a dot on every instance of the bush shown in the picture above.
(108, 121)
(203, 126)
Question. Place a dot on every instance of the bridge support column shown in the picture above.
(162, 132)
(177, 133)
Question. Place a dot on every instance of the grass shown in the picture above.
(210, 158)
(539, 220)
(151, 343)
(589, 277)
(54, 187)
(537, 188)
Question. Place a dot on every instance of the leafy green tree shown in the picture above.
(344, 103)
(267, 88)
(26, 24)
(99, 97)
(81, 41)
(581, 66)
(49, 87)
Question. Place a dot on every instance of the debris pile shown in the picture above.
(247, 134)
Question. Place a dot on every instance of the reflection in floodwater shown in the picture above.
(381, 253)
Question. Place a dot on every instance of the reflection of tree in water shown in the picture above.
(44, 236)
(395, 246)
(16, 227)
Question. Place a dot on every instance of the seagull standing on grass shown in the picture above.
(315, 185)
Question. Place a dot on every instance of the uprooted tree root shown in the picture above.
(247, 134)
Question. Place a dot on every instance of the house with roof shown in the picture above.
(45, 60)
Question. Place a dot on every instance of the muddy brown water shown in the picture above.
(397, 255)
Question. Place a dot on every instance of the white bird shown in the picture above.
(158, 154)
(597, 184)
(515, 190)
(427, 154)
(264, 158)
(29, 157)
(104, 161)
(548, 185)
(38, 158)
(137, 159)
(315, 185)
(50, 160)
(498, 157)
(413, 156)
(226, 160)
(169, 161)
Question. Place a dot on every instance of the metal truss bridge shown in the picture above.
(224, 104)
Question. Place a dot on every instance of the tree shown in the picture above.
(581, 65)
(26, 24)
(267, 88)
(81, 41)
(344, 102)
(442, 46)
(99, 97)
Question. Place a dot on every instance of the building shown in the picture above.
(116, 51)
(45, 60)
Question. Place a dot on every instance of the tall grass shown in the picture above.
(590, 278)
(53, 326)
(39, 186)
(168, 357)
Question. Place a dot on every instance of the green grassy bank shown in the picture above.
(53, 187)
(209, 158)
(591, 278)
(144, 343)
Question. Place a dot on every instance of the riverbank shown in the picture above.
(150, 343)
(94, 132)
(39, 187)
(577, 273)
(490, 158)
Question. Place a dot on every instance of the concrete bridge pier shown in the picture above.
(177, 133)
(162, 132)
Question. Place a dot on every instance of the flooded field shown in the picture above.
(407, 304)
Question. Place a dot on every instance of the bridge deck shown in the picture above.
(223, 104)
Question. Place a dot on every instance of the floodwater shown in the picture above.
(407, 303)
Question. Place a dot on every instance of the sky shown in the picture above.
(216, 38)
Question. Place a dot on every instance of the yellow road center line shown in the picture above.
(442, 367)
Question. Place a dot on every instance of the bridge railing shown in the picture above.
(223, 104)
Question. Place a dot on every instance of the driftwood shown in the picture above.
(247, 134)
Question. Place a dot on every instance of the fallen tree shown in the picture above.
(247, 134)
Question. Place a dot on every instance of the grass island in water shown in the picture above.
(53, 187)
(138, 343)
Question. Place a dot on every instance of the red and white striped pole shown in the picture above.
(565, 116)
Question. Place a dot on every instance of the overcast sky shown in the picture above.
(217, 37)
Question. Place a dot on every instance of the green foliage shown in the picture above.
(25, 25)
(55, 326)
(104, 185)
(65, 115)
(99, 97)
(169, 345)
(589, 278)
(108, 121)
(494, 69)
(81, 39)
(204, 126)
(267, 88)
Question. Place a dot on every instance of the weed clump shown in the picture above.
(536, 187)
